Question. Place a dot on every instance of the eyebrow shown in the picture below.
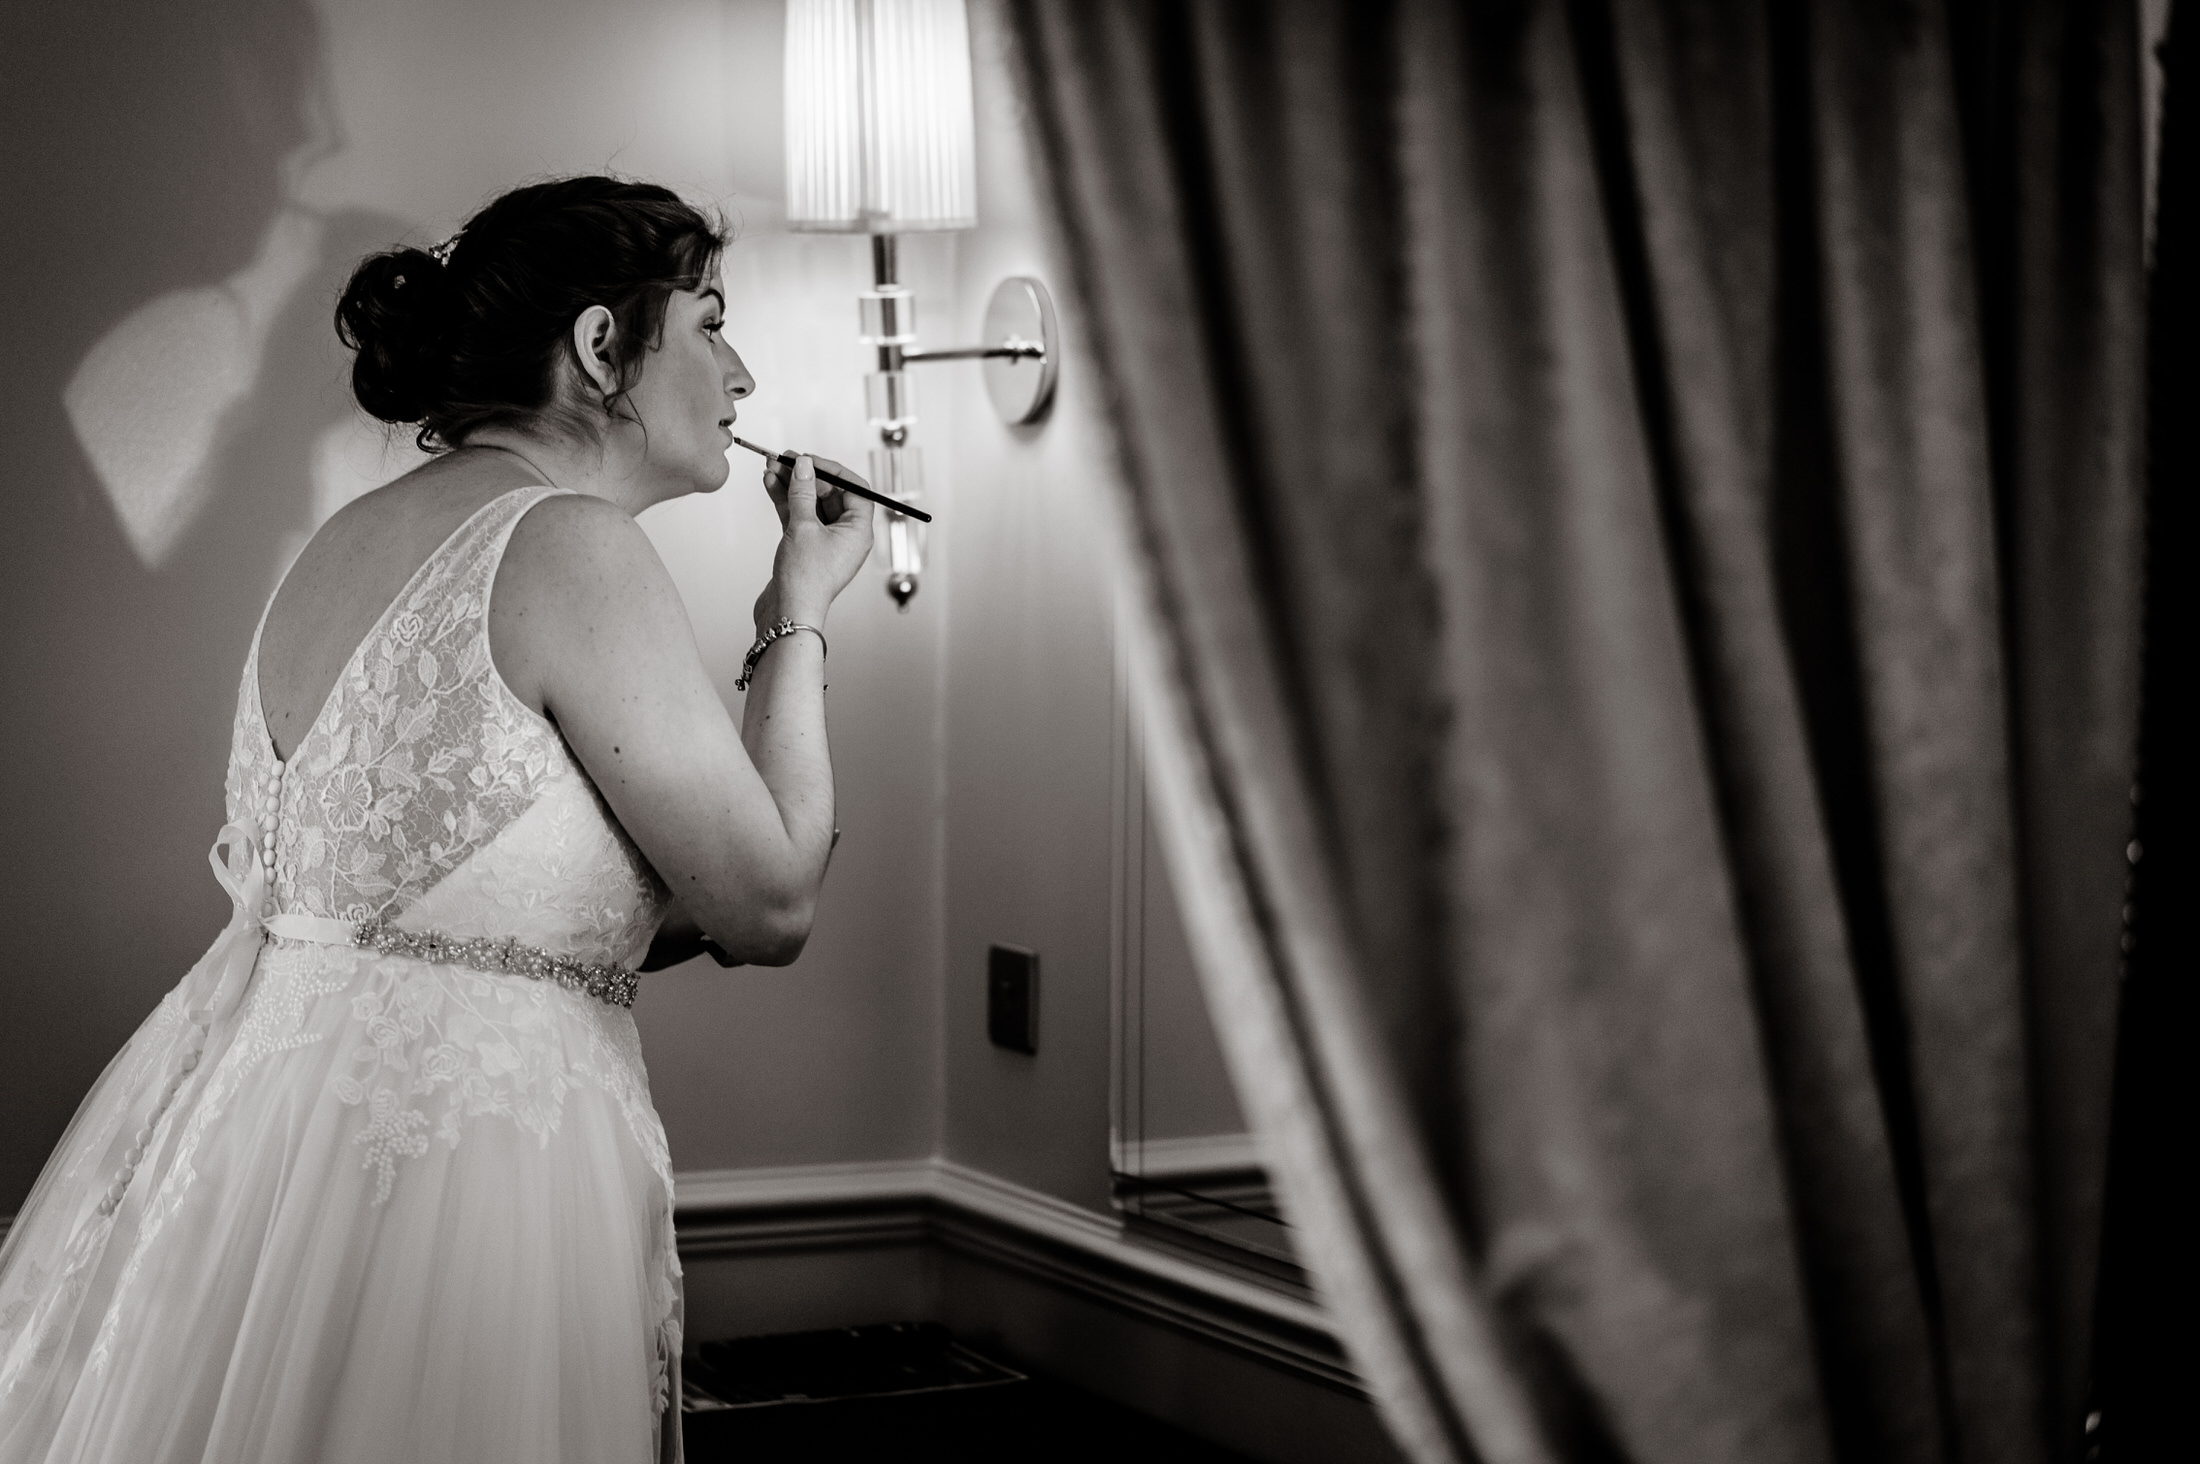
(713, 294)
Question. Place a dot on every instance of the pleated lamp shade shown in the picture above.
(878, 117)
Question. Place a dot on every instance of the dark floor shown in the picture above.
(907, 1393)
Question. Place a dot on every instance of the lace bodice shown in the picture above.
(426, 793)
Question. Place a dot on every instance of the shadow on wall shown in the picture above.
(178, 419)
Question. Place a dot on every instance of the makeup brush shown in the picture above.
(841, 483)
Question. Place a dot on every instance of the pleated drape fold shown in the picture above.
(1637, 506)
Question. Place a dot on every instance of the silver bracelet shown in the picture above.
(776, 631)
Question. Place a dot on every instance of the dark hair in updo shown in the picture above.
(477, 340)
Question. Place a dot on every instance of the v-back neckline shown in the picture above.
(343, 672)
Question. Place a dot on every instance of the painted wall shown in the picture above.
(1030, 710)
(189, 184)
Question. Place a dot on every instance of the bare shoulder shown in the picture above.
(575, 550)
(575, 529)
(580, 587)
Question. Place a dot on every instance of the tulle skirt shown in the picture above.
(383, 1211)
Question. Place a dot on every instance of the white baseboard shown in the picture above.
(698, 1191)
(801, 1208)
(826, 1207)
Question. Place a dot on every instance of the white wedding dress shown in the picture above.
(345, 1204)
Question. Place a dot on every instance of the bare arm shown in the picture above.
(739, 825)
(783, 720)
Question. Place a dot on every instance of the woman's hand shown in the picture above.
(826, 537)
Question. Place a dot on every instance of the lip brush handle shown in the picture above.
(841, 483)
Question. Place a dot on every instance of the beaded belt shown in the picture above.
(615, 985)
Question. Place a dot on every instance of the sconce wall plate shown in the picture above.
(1021, 312)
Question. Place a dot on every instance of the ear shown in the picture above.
(593, 329)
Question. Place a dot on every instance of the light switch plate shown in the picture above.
(1012, 998)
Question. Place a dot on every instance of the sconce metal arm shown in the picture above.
(1015, 348)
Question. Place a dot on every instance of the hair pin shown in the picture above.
(441, 253)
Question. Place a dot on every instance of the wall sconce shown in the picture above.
(880, 141)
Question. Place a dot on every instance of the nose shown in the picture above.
(738, 381)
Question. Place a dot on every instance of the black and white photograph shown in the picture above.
(1099, 731)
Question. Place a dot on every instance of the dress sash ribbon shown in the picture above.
(218, 982)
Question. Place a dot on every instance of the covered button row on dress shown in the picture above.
(194, 1047)
(270, 822)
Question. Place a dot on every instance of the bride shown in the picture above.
(380, 1179)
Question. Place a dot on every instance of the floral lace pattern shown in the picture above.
(422, 755)
(561, 878)
(41, 1301)
(276, 1019)
(468, 1045)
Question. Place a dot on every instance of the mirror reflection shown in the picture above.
(1188, 1171)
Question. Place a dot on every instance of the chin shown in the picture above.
(711, 475)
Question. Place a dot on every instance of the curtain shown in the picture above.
(1637, 510)
(2149, 1352)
